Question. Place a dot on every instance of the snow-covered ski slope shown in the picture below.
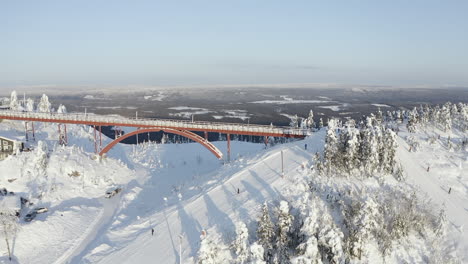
(180, 190)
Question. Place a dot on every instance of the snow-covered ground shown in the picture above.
(181, 190)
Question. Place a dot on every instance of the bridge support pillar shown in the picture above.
(228, 136)
(28, 130)
(97, 140)
(62, 131)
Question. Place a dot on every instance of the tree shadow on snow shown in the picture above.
(190, 228)
(219, 218)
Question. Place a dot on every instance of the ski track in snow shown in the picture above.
(455, 205)
(260, 180)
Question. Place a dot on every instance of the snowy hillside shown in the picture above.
(319, 212)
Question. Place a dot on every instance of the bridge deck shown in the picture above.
(114, 120)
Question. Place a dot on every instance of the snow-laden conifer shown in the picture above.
(44, 105)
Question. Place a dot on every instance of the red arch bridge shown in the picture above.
(146, 125)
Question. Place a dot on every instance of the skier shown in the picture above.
(238, 191)
(427, 168)
(152, 231)
(305, 146)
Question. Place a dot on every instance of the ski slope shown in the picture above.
(217, 208)
(181, 190)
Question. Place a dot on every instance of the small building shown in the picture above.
(9, 146)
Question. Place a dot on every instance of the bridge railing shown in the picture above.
(186, 124)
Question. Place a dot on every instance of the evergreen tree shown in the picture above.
(310, 120)
(294, 122)
(266, 232)
(44, 105)
(257, 254)
(209, 252)
(14, 104)
(320, 126)
(61, 109)
(285, 221)
(30, 105)
(331, 151)
(241, 243)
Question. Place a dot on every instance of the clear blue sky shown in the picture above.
(233, 42)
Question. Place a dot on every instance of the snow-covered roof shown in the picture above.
(9, 203)
(9, 139)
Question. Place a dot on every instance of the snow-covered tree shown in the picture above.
(310, 120)
(362, 219)
(241, 244)
(8, 227)
(308, 250)
(320, 125)
(285, 221)
(330, 241)
(349, 139)
(210, 252)
(14, 104)
(44, 105)
(388, 154)
(41, 156)
(30, 105)
(61, 109)
(294, 122)
(379, 116)
(445, 118)
(266, 232)
(257, 254)
(331, 150)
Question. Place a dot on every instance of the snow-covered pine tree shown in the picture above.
(304, 124)
(320, 125)
(294, 122)
(412, 121)
(266, 232)
(379, 116)
(362, 219)
(331, 149)
(350, 142)
(308, 250)
(241, 244)
(44, 105)
(389, 150)
(330, 241)
(30, 105)
(209, 252)
(445, 118)
(310, 120)
(285, 221)
(257, 254)
(14, 104)
(61, 109)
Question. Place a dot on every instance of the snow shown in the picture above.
(290, 101)
(10, 203)
(182, 190)
(186, 108)
(381, 105)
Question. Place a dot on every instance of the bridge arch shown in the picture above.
(212, 148)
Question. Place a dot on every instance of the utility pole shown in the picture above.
(282, 165)
(136, 117)
(180, 248)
